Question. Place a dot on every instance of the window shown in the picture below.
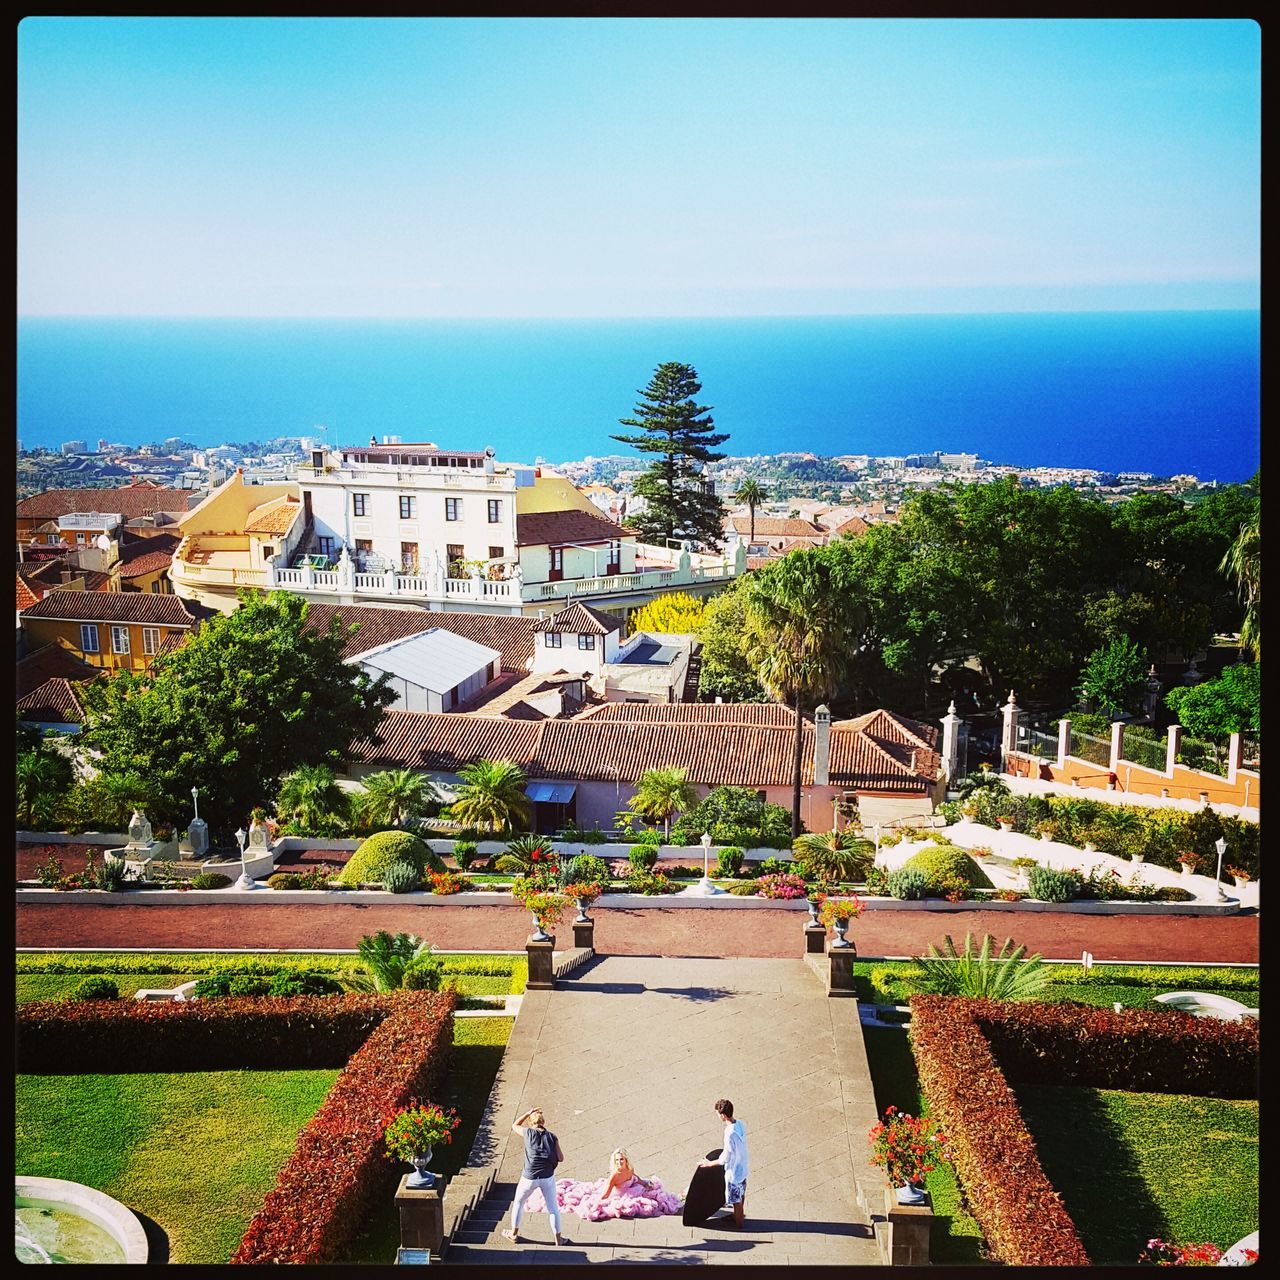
(453, 508)
(586, 642)
(326, 546)
(496, 553)
(359, 504)
(317, 459)
(80, 539)
(455, 551)
(119, 639)
(88, 638)
(495, 510)
(150, 640)
(409, 557)
(408, 507)
(615, 551)
(553, 639)
(51, 539)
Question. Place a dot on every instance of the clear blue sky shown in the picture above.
(524, 167)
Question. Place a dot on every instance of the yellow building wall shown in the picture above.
(42, 631)
(228, 508)
(552, 493)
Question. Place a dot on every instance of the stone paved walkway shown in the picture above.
(635, 1052)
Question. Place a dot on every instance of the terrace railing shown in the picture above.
(1084, 746)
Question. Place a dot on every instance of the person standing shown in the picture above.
(734, 1159)
(541, 1155)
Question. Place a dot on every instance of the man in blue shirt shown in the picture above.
(734, 1159)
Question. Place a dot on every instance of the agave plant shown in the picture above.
(388, 957)
(1006, 976)
(834, 855)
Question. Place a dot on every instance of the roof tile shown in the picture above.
(543, 528)
(114, 606)
(130, 501)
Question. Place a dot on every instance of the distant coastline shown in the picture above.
(1168, 393)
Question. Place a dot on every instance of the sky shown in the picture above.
(635, 166)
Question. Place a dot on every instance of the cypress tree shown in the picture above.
(671, 423)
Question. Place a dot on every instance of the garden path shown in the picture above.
(635, 1052)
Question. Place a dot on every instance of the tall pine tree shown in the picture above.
(677, 502)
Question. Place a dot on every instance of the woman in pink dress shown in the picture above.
(623, 1194)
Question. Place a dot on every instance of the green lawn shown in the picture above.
(197, 1152)
(1132, 1166)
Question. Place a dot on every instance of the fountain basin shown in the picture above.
(67, 1221)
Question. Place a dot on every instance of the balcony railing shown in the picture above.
(416, 477)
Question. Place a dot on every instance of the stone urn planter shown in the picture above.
(421, 1179)
(842, 935)
(909, 1193)
(1005, 824)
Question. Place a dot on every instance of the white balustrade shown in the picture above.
(289, 577)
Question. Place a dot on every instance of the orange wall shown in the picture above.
(1186, 784)
(42, 631)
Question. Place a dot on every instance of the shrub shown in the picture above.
(654, 882)
(1007, 895)
(285, 880)
(524, 854)
(465, 853)
(424, 974)
(833, 856)
(952, 888)
(246, 986)
(387, 956)
(94, 989)
(1172, 893)
(401, 877)
(1048, 885)
(210, 880)
(745, 890)
(777, 867)
(729, 861)
(735, 815)
(941, 862)
(447, 882)
(369, 862)
(50, 873)
(585, 868)
(305, 983)
(1025, 862)
(782, 886)
(1006, 976)
(877, 881)
(113, 874)
(643, 856)
(907, 883)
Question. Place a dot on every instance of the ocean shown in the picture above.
(1168, 392)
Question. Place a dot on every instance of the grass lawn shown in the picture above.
(478, 1045)
(955, 1238)
(1132, 1166)
(197, 1152)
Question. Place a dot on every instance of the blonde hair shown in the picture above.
(617, 1158)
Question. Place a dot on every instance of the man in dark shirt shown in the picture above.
(541, 1155)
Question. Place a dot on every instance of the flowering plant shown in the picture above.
(980, 851)
(585, 893)
(448, 882)
(1239, 874)
(906, 1146)
(953, 888)
(1160, 1253)
(417, 1128)
(1188, 858)
(1007, 895)
(547, 908)
(783, 885)
(834, 909)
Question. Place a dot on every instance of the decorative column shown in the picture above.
(270, 570)
(840, 982)
(815, 938)
(421, 1218)
(346, 571)
(1117, 745)
(1235, 756)
(822, 746)
(1009, 732)
(950, 742)
(1172, 748)
(584, 932)
(389, 580)
(1064, 741)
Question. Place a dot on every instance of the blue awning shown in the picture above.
(551, 792)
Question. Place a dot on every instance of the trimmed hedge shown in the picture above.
(327, 1190)
(943, 861)
(371, 860)
(267, 965)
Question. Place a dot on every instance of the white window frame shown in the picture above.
(119, 639)
(89, 638)
(452, 510)
(150, 641)
(553, 640)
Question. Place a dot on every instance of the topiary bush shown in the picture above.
(643, 856)
(285, 880)
(948, 862)
(729, 861)
(210, 880)
(465, 853)
(907, 883)
(585, 868)
(94, 989)
(747, 889)
(370, 861)
(1052, 886)
(401, 877)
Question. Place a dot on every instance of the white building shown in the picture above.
(434, 670)
(578, 638)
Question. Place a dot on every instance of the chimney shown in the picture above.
(822, 746)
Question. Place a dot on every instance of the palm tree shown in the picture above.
(310, 797)
(1244, 562)
(801, 620)
(660, 793)
(979, 974)
(394, 795)
(754, 495)
(985, 781)
(492, 795)
(42, 779)
(834, 855)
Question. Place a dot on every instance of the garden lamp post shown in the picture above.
(704, 888)
(246, 881)
(1221, 845)
(195, 792)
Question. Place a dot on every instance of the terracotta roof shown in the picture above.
(54, 702)
(274, 517)
(855, 527)
(778, 527)
(146, 555)
(752, 713)
(139, 498)
(511, 635)
(581, 619)
(508, 695)
(50, 661)
(542, 528)
(114, 606)
(25, 595)
(593, 748)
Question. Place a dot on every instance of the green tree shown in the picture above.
(678, 504)
(674, 611)
(662, 793)
(754, 495)
(43, 778)
(1218, 708)
(311, 798)
(492, 795)
(251, 696)
(1243, 561)
(1115, 677)
(802, 619)
(106, 801)
(391, 796)
(726, 669)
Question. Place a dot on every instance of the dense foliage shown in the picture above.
(1218, 708)
(676, 612)
(737, 816)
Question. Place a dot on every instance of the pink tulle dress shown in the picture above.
(631, 1200)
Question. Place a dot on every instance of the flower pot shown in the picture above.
(420, 1179)
(1135, 857)
(582, 916)
(813, 912)
(1240, 881)
(539, 934)
(910, 1193)
(1188, 869)
(842, 928)
(1005, 824)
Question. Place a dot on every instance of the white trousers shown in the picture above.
(524, 1189)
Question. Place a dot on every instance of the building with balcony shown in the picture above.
(417, 526)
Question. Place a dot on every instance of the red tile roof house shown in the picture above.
(890, 764)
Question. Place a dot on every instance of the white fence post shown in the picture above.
(1171, 749)
(1117, 745)
(1235, 756)
(1064, 741)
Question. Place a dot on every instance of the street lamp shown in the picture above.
(704, 888)
(1221, 845)
(195, 792)
(246, 881)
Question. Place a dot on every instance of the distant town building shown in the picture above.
(74, 446)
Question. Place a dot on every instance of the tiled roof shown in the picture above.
(114, 606)
(147, 555)
(855, 527)
(54, 702)
(777, 527)
(25, 595)
(50, 661)
(542, 528)
(511, 635)
(752, 713)
(139, 498)
(274, 517)
(581, 619)
(593, 748)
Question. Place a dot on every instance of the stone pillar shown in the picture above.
(389, 580)
(815, 939)
(1117, 745)
(1008, 732)
(1064, 741)
(421, 1217)
(1235, 756)
(346, 571)
(584, 934)
(308, 575)
(841, 980)
(822, 746)
(950, 742)
(270, 570)
(1173, 746)
(541, 956)
(909, 1226)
